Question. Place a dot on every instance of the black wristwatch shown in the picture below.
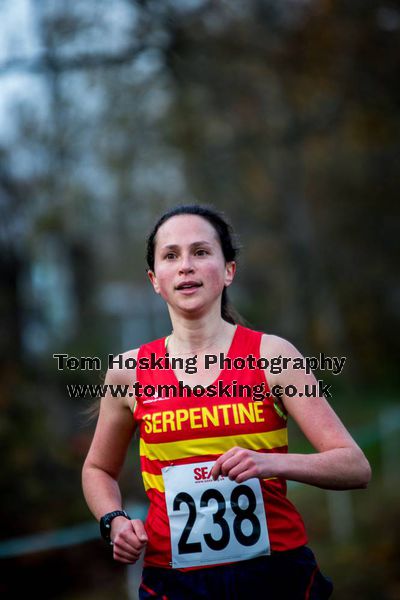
(105, 523)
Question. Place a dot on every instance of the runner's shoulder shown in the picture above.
(274, 346)
(121, 367)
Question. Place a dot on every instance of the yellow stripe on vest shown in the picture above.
(153, 481)
(215, 445)
(157, 482)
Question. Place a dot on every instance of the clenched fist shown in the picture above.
(129, 538)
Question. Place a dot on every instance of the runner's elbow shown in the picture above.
(90, 469)
(367, 474)
(364, 471)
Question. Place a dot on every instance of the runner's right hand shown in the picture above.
(129, 538)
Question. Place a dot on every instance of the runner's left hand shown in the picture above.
(240, 464)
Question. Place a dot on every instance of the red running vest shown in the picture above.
(180, 430)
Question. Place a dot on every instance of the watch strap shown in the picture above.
(105, 523)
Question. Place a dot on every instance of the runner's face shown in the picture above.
(189, 268)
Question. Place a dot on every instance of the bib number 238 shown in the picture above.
(213, 522)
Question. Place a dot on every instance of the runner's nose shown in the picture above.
(186, 265)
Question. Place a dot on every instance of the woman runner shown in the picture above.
(213, 441)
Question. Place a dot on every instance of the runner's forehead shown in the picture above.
(185, 231)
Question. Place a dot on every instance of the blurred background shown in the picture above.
(285, 115)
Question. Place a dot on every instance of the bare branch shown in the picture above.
(49, 62)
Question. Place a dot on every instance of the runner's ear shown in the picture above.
(153, 279)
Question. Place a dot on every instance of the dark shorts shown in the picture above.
(291, 575)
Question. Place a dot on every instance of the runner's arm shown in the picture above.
(103, 464)
(104, 461)
(339, 462)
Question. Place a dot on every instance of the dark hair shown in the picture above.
(226, 237)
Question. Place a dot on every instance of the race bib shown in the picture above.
(213, 522)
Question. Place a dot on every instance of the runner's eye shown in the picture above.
(170, 255)
(201, 252)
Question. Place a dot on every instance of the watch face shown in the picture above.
(104, 530)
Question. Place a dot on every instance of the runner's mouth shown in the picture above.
(188, 285)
